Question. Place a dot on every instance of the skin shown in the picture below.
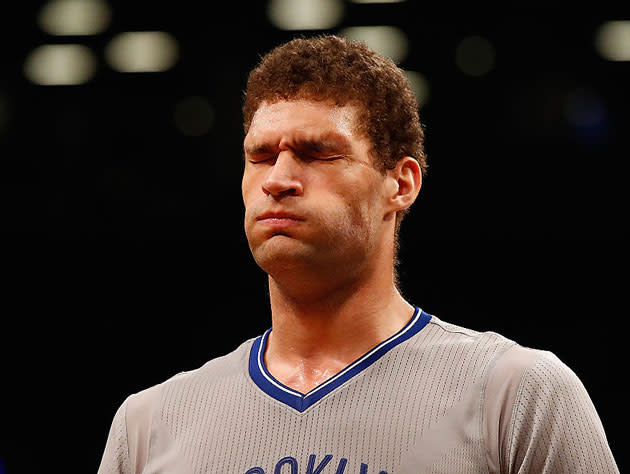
(330, 270)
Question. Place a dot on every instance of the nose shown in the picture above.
(283, 176)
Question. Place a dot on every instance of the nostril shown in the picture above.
(281, 186)
(276, 190)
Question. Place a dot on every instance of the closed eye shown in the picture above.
(302, 157)
(260, 160)
(322, 158)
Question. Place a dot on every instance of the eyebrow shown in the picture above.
(326, 143)
(259, 149)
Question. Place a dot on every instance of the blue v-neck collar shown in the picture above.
(299, 401)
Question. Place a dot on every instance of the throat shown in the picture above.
(304, 377)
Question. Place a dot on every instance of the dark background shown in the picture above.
(124, 259)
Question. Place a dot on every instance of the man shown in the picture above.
(351, 378)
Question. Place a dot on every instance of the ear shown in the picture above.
(403, 184)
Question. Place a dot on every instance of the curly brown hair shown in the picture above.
(343, 71)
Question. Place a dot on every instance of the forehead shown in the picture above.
(301, 117)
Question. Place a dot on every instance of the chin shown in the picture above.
(281, 253)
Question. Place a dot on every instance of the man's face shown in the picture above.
(313, 200)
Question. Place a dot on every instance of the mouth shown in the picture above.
(279, 222)
(279, 219)
(279, 215)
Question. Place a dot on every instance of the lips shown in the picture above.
(278, 216)
(279, 221)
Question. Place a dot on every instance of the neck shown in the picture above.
(315, 336)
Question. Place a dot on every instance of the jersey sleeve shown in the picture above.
(116, 455)
(127, 446)
(554, 426)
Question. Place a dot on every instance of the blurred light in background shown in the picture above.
(389, 41)
(475, 56)
(142, 51)
(74, 17)
(305, 14)
(419, 85)
(612, 40)
(193, 116)
(60, 64)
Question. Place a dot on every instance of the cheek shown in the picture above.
(248, 188)
(249, 202)
(351, 212)
(365, 209)
(246, 182)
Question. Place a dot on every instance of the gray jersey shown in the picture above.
(433, 398)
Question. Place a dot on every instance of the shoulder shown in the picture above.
(509, 373)
(460, 357)
(216, 369)
(536, 410)
(548, 384)
(523, 376)
(142, 410)
(142, 406)
(455, 333)
(444, 336)
(212, 372)
(530, 372)
(553, 416)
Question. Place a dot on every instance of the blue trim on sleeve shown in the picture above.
(300, 402)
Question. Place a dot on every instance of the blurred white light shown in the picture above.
(388, 41)
(419, 85)
(475, 56)
(60, 64)
(612, 40)
(142, 51)
(193, 116)
(74, 17)
(305, 14)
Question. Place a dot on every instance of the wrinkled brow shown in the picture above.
(327, 143)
